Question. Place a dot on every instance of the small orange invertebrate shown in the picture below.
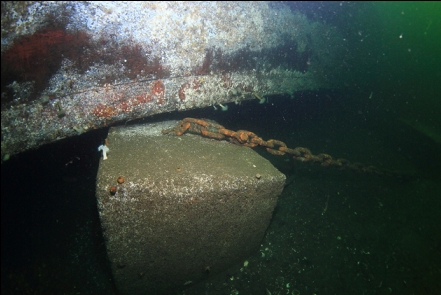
(112, 190)
(120, 180)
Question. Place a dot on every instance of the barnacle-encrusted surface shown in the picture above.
(102, 62)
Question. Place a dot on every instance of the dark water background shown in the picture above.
(378, 235)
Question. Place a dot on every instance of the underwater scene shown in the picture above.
(358, 140)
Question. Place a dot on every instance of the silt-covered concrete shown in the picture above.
(188, 207)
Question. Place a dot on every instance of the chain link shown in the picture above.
(276, 147)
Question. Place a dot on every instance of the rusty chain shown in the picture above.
(276, 147)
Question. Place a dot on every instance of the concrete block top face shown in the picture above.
(174, 162)
(181, 205)
(71, 67)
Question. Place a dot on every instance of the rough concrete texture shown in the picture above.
(189, 206)
(72, 66)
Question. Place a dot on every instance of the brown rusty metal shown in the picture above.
(273, 146)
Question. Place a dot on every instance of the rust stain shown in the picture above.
(181, 91)
(158, 90)
(103, 111)
(37, 57)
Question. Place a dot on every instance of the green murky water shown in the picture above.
(333, 232)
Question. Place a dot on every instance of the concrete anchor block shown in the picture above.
(189, 207)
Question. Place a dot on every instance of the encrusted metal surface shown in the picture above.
(69, 67)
